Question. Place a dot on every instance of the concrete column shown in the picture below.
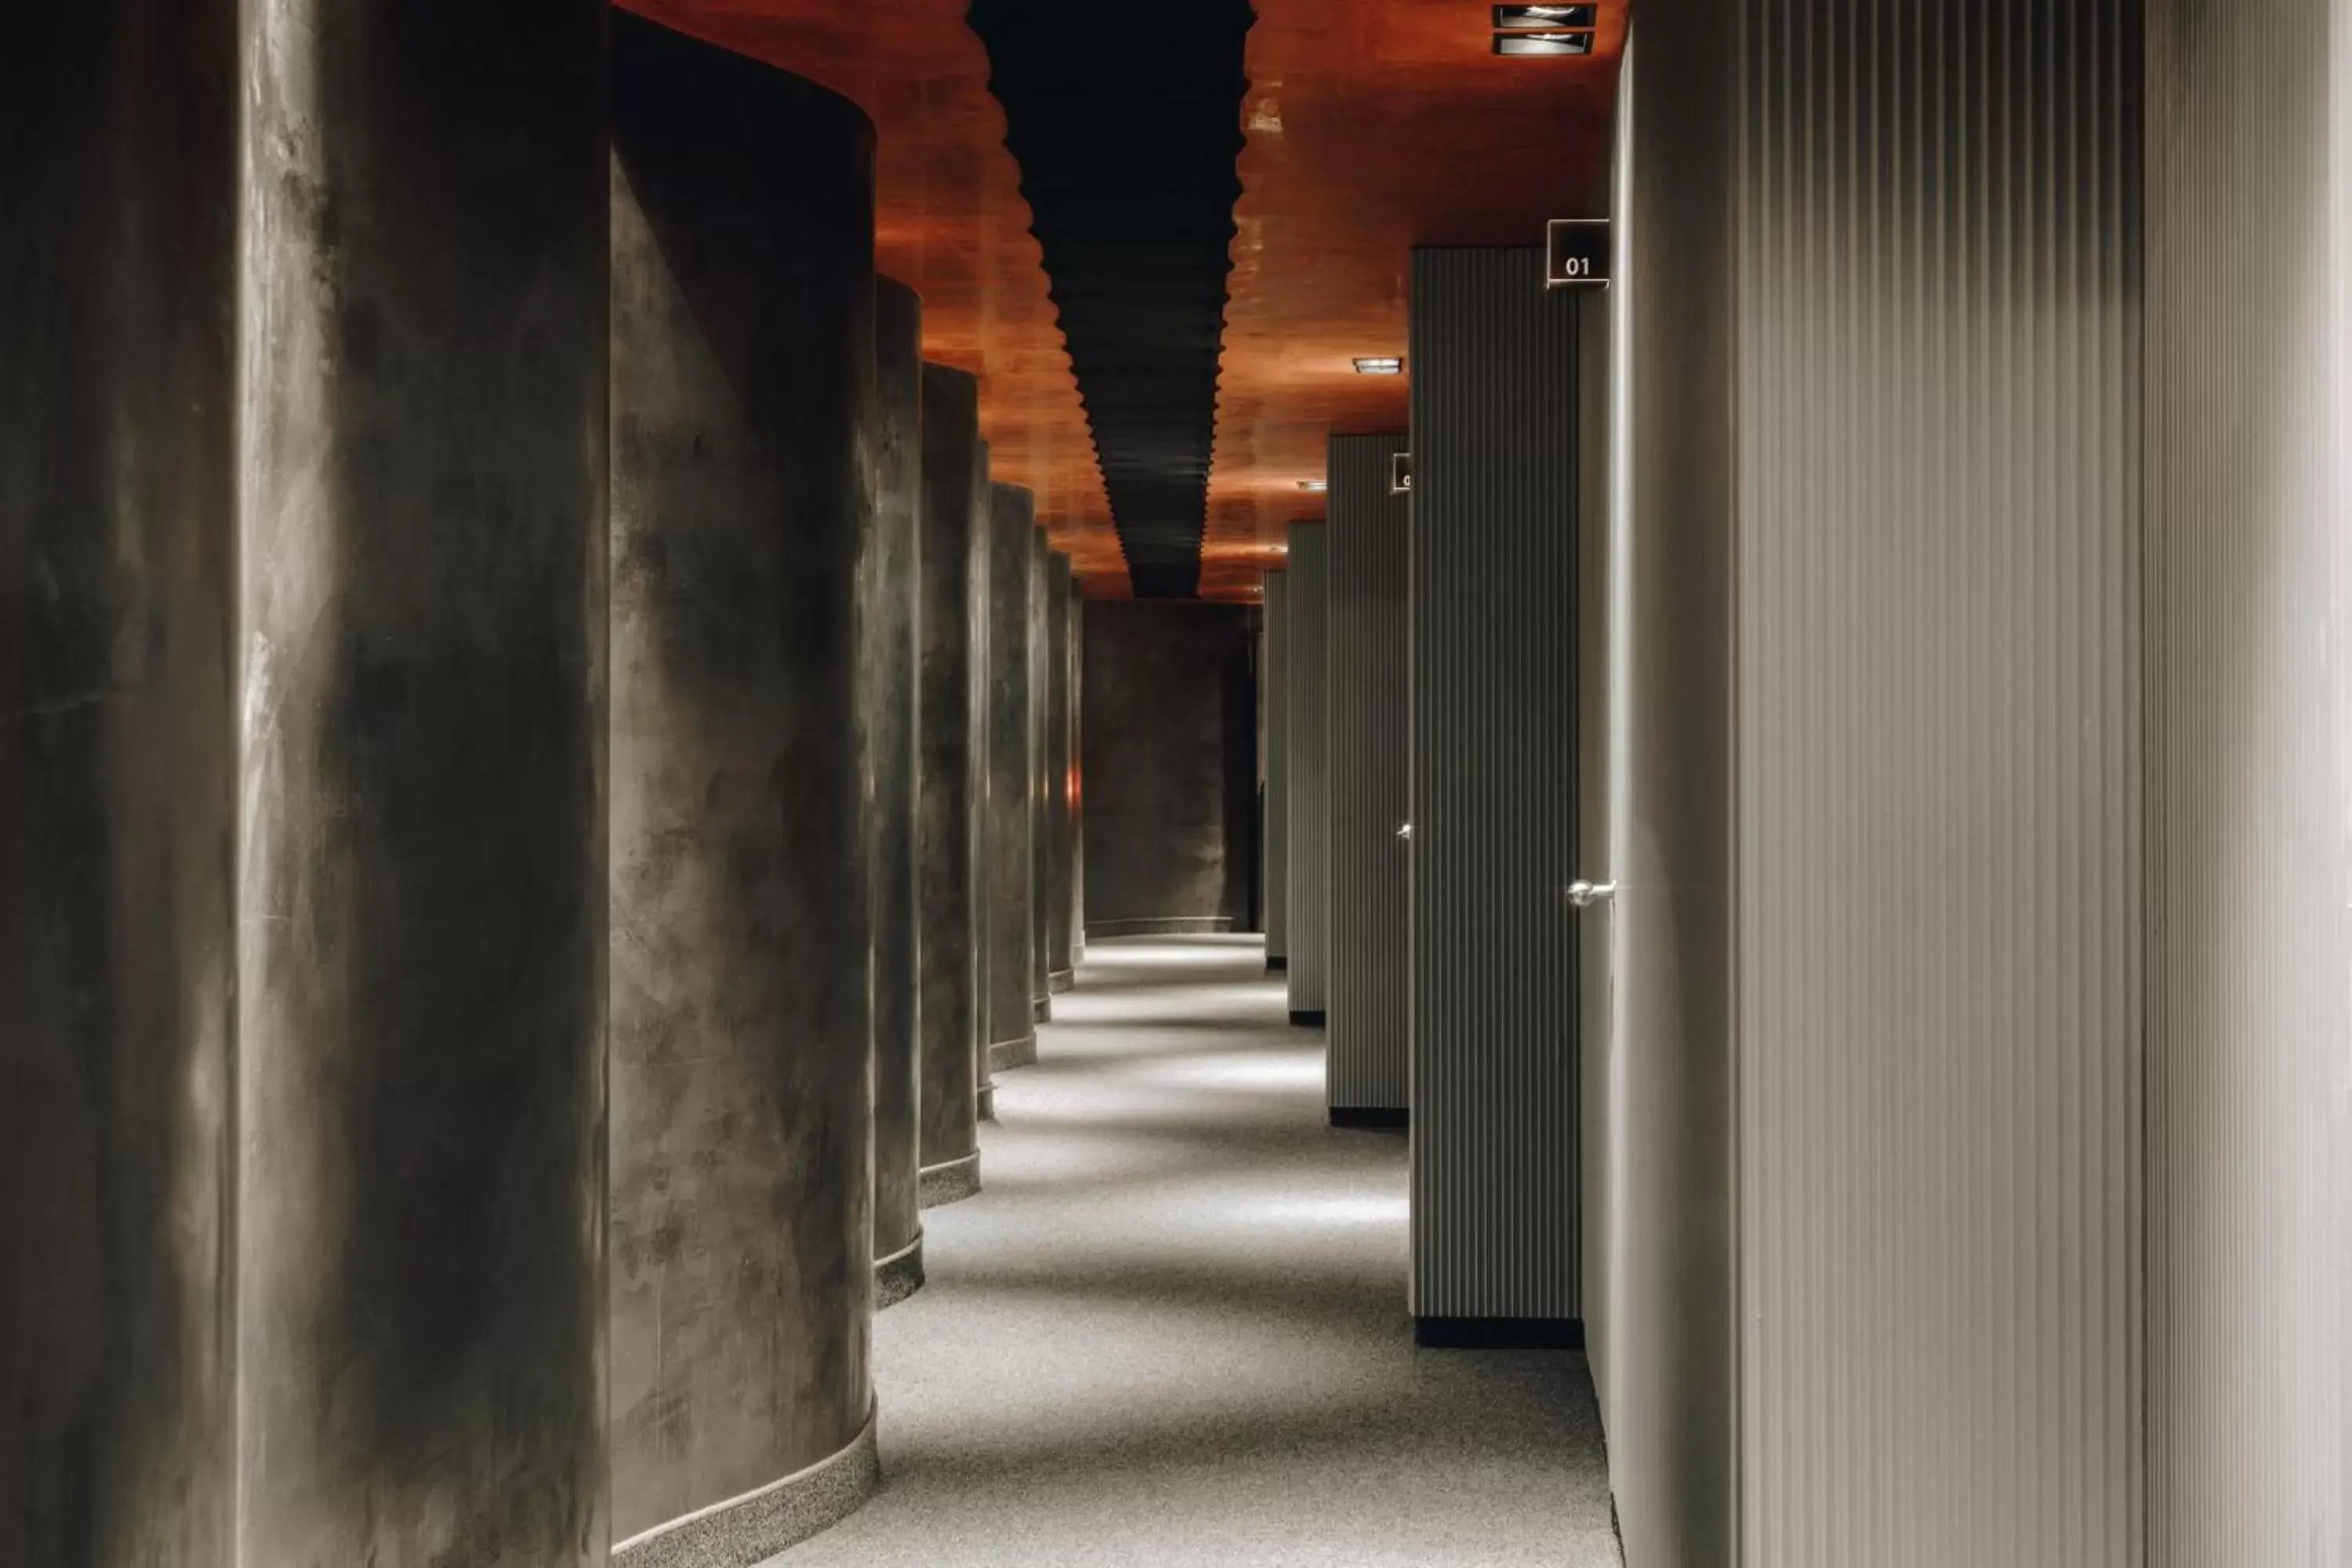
(422, 921)
(949, 783)
(743, 418)
(1077, 828)
(1060, 963)
(1274, 863)
(118, 177)
(1307, 794)
(1041, 787)
(1010, 965)
(892, 586)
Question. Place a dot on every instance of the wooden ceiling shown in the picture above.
(1372, 126)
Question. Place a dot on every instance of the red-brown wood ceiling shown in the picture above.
(1373, 126)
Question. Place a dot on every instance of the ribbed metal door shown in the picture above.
(1308, 789)
(1274, 670)
(1370, 1065)
(1493, 788)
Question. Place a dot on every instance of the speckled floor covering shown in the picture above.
(1171, 1328)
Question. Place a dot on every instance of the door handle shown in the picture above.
(1405, 832)
(1584, 895)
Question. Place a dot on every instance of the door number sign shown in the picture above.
(1576, 253)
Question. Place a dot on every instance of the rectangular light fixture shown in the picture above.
(1316, 485)
(1381, 364)
(1543, 43)
(1510, 18)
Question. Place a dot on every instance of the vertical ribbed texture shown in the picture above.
(1369, 1065)
(1307, 790)
(1275, 861)
(2249, 755)
(1937, 744)
(1494, 779)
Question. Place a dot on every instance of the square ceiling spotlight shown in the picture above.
(1509, 18)
(1379, 364)
(1543, 43)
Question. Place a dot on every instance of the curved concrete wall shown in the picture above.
(1013, 984)
(948, 782)
(118, 767)
(422, 895)
(1041, 790)
(742, 398)
(892, 588)
(1060, 962)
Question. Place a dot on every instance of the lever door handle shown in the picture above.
(1405, 832)
(1584, 895)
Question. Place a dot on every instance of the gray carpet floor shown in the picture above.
(1171, 1328)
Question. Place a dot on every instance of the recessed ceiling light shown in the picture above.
(1381, 364)
(1507, 17)
(1314, 484)
(1543, 43)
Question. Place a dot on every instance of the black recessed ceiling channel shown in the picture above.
(1126, 121)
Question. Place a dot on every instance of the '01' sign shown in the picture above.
(1576, 253)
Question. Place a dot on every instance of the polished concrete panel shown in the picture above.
(422, 895)
(1170, 766)
(1060, 961)
(951, 752)
(1078, 771)
(118, 726)
(742, 414)
(1041, 788)
(1173, 1331)
(892, 588)
(1012, 983)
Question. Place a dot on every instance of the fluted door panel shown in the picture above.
(1275, 860)
(1494, 789)
(1369, 1065)
(1306, 789)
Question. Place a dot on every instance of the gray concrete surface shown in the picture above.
(891, 587)
(742, 1239)
(421, 1097)
(118, 734)
(1172, 1331)
(952, 752)
(1010, 985)
(1170, 749)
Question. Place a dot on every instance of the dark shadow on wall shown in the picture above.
(1170, 762)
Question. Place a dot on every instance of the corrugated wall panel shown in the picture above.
(2248, 612)
(1937, 711)
(1370, 1065)
(1494, 778)
(1275, 860)
(1307, 790)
